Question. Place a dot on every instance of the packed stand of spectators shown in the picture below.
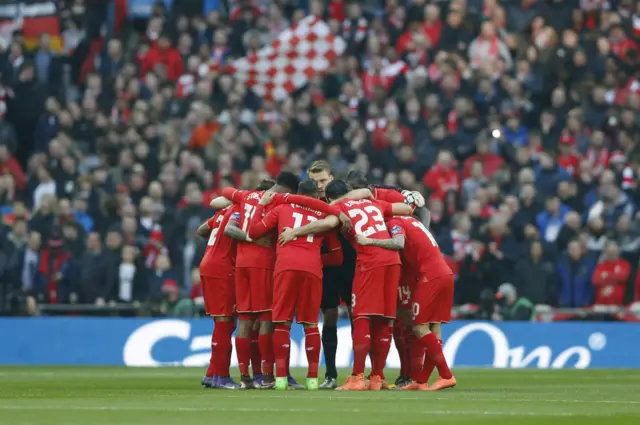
(518, 118)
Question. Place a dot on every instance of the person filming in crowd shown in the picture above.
(510, 306)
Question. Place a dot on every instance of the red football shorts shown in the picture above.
(254, 290)
(432, 300)
(407, 282)
(375, 292)
(296, 292)
(219, 296)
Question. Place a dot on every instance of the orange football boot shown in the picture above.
(353, 383)
(375, 383)
(442, 384)
(415, 386)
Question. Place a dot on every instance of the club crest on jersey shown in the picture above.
(395, 230)
(235, 216)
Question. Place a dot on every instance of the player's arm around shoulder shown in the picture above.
(320, 226)
(260, 224)
(355, 195)
(233, 230)
(220, 202)
(204, 230)
(396, 243)
(400, 208)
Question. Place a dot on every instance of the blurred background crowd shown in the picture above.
(519, 119)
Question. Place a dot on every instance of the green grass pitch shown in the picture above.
(96, 395)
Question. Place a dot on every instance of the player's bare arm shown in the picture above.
(220, 202)
(233, 231)
(203, 231)
(356, 195)
(401, 209)
(394, 244)
(267, 198)
(316, 227)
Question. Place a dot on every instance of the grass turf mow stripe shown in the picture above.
(133, 396)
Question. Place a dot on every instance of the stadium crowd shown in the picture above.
(518, 119)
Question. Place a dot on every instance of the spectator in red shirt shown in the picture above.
(9, 165)
(443, 177)
(611, 276)
(491, 162)
(280, 159)
(393, 133)
(336, 10)
(432, 25)
(567, 158)
(620, 43)
(164, 60)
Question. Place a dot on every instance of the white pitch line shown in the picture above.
(415, 397)
(397, 395)
(170, 373)
(296, 410)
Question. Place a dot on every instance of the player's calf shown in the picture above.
(312, 348)
(243, 348)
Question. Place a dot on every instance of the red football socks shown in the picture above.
(266, 352)
(281, 346)
(211, 370)
(256, 359)
(361, 343)
(312, 345)
(427, 368)
(243, 351)
(288, 360)
(416, 358)
(434, 353)
(223, 348)
(399, 340)
(380, 346)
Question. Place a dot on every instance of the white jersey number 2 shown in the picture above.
(370, 212)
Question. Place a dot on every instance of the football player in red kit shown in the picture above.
(216, 274)
(297, 278)
(402, 331)
(375, 286)
(254, 281)
(431, 297)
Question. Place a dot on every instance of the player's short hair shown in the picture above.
(288, 180)
(308, 187)
(319, 166)
(336, 189)
(265, 184)
(357, 179)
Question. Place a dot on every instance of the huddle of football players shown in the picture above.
(337, 240)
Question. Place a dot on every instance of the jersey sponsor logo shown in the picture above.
(395, 230)
(359, 202)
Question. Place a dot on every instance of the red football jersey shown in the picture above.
(421, 251)
(368, 219)
(220, 255)
(302, 254)
(387, 195)
(250, 254)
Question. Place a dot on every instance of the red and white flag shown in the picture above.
(298, 54)
(34, 17)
